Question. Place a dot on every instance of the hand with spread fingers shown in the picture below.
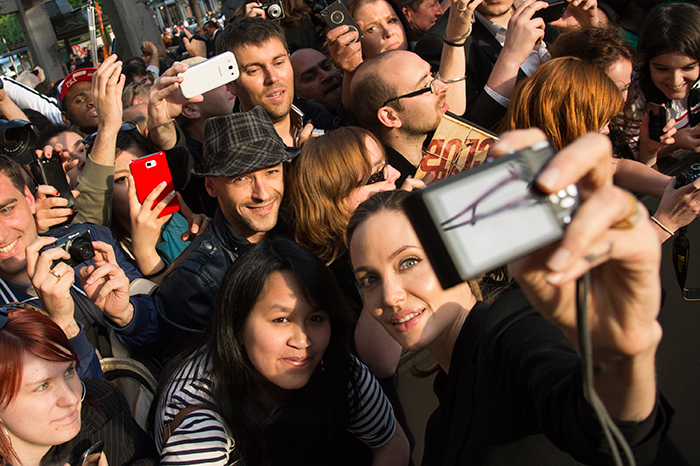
(53, 283)
(107, 286)
(146, 228)
(610, 236)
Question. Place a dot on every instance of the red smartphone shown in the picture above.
(149, 171)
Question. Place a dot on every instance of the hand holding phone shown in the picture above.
(336, 15)
(217, 71)
(49, 171)
(148, 172)
(553, 12)
(658, 116)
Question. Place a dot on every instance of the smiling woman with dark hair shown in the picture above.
(272, 380)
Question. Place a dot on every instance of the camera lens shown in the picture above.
(337, 17)
(81, 250)
(274, 11)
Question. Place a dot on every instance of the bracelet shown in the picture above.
(661, 225)
(455, 42)
(450, 80)
(158, 272)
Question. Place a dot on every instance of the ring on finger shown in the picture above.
(55, 274)
(634, 216)
(462, 10)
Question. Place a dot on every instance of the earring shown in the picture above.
(323, 367)
(7, 434)
(84, 391)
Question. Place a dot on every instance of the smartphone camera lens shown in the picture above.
(337, 17)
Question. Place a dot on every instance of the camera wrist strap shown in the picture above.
(619, 448)
(681, 260)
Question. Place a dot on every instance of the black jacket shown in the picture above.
(185, 299)
(514, 395)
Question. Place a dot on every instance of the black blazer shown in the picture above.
(514, 396)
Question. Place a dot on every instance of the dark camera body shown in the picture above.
(273, 10)
(553, 12)
(688, 175)
(658, 116)
(337, 15)
(18, 141)
(78, 244)
(490, 215)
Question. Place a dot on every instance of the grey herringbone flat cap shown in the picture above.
(241, 143)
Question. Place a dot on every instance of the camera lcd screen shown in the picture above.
(486, 217)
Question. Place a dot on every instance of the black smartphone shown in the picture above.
(337, 15)
(114, 46)
(553, 12)
(91, 457)
(50, 172)
(658, 117)
(490, 215)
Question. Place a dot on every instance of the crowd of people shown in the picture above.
(275, 304)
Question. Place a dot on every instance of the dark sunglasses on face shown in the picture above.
(378, 176)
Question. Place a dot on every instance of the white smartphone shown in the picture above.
(208, 75)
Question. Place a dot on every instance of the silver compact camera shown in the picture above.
(490, 215)
(273, 10)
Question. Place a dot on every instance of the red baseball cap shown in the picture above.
(83, 74)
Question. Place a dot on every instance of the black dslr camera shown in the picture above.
(18, 141)
(688, 175)
(78, 244)
(273, 10)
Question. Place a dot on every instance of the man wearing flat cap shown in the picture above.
(243, 167)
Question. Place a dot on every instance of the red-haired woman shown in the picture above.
(47, 414)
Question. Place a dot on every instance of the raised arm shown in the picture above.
(453, 59)
(611, 236)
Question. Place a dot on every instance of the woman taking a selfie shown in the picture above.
(47, 414)
(509, 384)
(272, 380)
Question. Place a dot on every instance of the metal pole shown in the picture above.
(92, 31)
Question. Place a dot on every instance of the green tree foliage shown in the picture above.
(11, 30)
(78, 3)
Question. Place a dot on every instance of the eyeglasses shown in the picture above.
(431, 87)
(89, 140)
(378, 176)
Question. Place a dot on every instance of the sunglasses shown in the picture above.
(378, 176)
